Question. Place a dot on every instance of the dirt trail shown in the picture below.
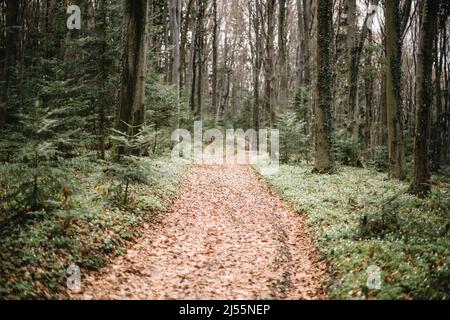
(226, 237)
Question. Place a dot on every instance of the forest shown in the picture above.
(97, 203)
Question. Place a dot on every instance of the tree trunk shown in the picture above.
(215, 54)
(9, 55)
(421, 184)
(134, 69)
(184, 37)
(175, 23)
(300, 44)
(175, 34)
(269, 65)
(257, 51)
(307, 14)
(282, 59)
(101, 30)
(355, 48)
(197, 70)
(439, 126)
(393, 91)
(323, 125)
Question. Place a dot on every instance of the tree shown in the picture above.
(306, 41)
(9, 56)
(257, 51)
(355, 51)
(134, 69)
(323, 125)
(197, 59)
(424, 99)
(269, 64)
(304, 54)
(175, 34)
(393, 90)
(283, 55)
(215, 53)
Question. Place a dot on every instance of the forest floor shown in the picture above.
(227, 236)
(359, 218)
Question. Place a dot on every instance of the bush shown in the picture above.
(89, 228)
(294, 139)
(347, 149)
(379, 160)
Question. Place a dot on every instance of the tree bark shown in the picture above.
(307, 14)
(101, 30)
(355, 48)
(323, 124)
(421, 184)
(282, 59)
(134, 69)
(215, 55)
(9, 56)
(269, 65)
(369, 93)
(175, 12)
(393, 91)
(184, 35)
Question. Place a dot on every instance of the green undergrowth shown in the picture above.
(359, 218)
(90, 224)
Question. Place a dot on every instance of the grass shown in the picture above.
(92, 226)
(359, 218)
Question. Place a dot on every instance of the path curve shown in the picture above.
(227, 236)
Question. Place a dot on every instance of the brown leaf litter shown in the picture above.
(227, 236)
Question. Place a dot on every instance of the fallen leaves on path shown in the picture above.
(226, 237)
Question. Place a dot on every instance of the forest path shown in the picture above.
(226, 237)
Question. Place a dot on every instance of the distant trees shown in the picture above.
(246, 63)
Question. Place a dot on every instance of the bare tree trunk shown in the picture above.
(355, 50)
(184, 37)
(166, 40)
(446, 120)
(257, 50)
(421, 185)
(307, 14)
(215, 54)
(269, 65)
(369, 92)
(134, 70)
(175, 12)
(439, 126)
(9, 55)
(393, 91)
(196, 87)
(323, 125)
(175, 25)
(282, 59)
(300, 46)
(101, 29)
